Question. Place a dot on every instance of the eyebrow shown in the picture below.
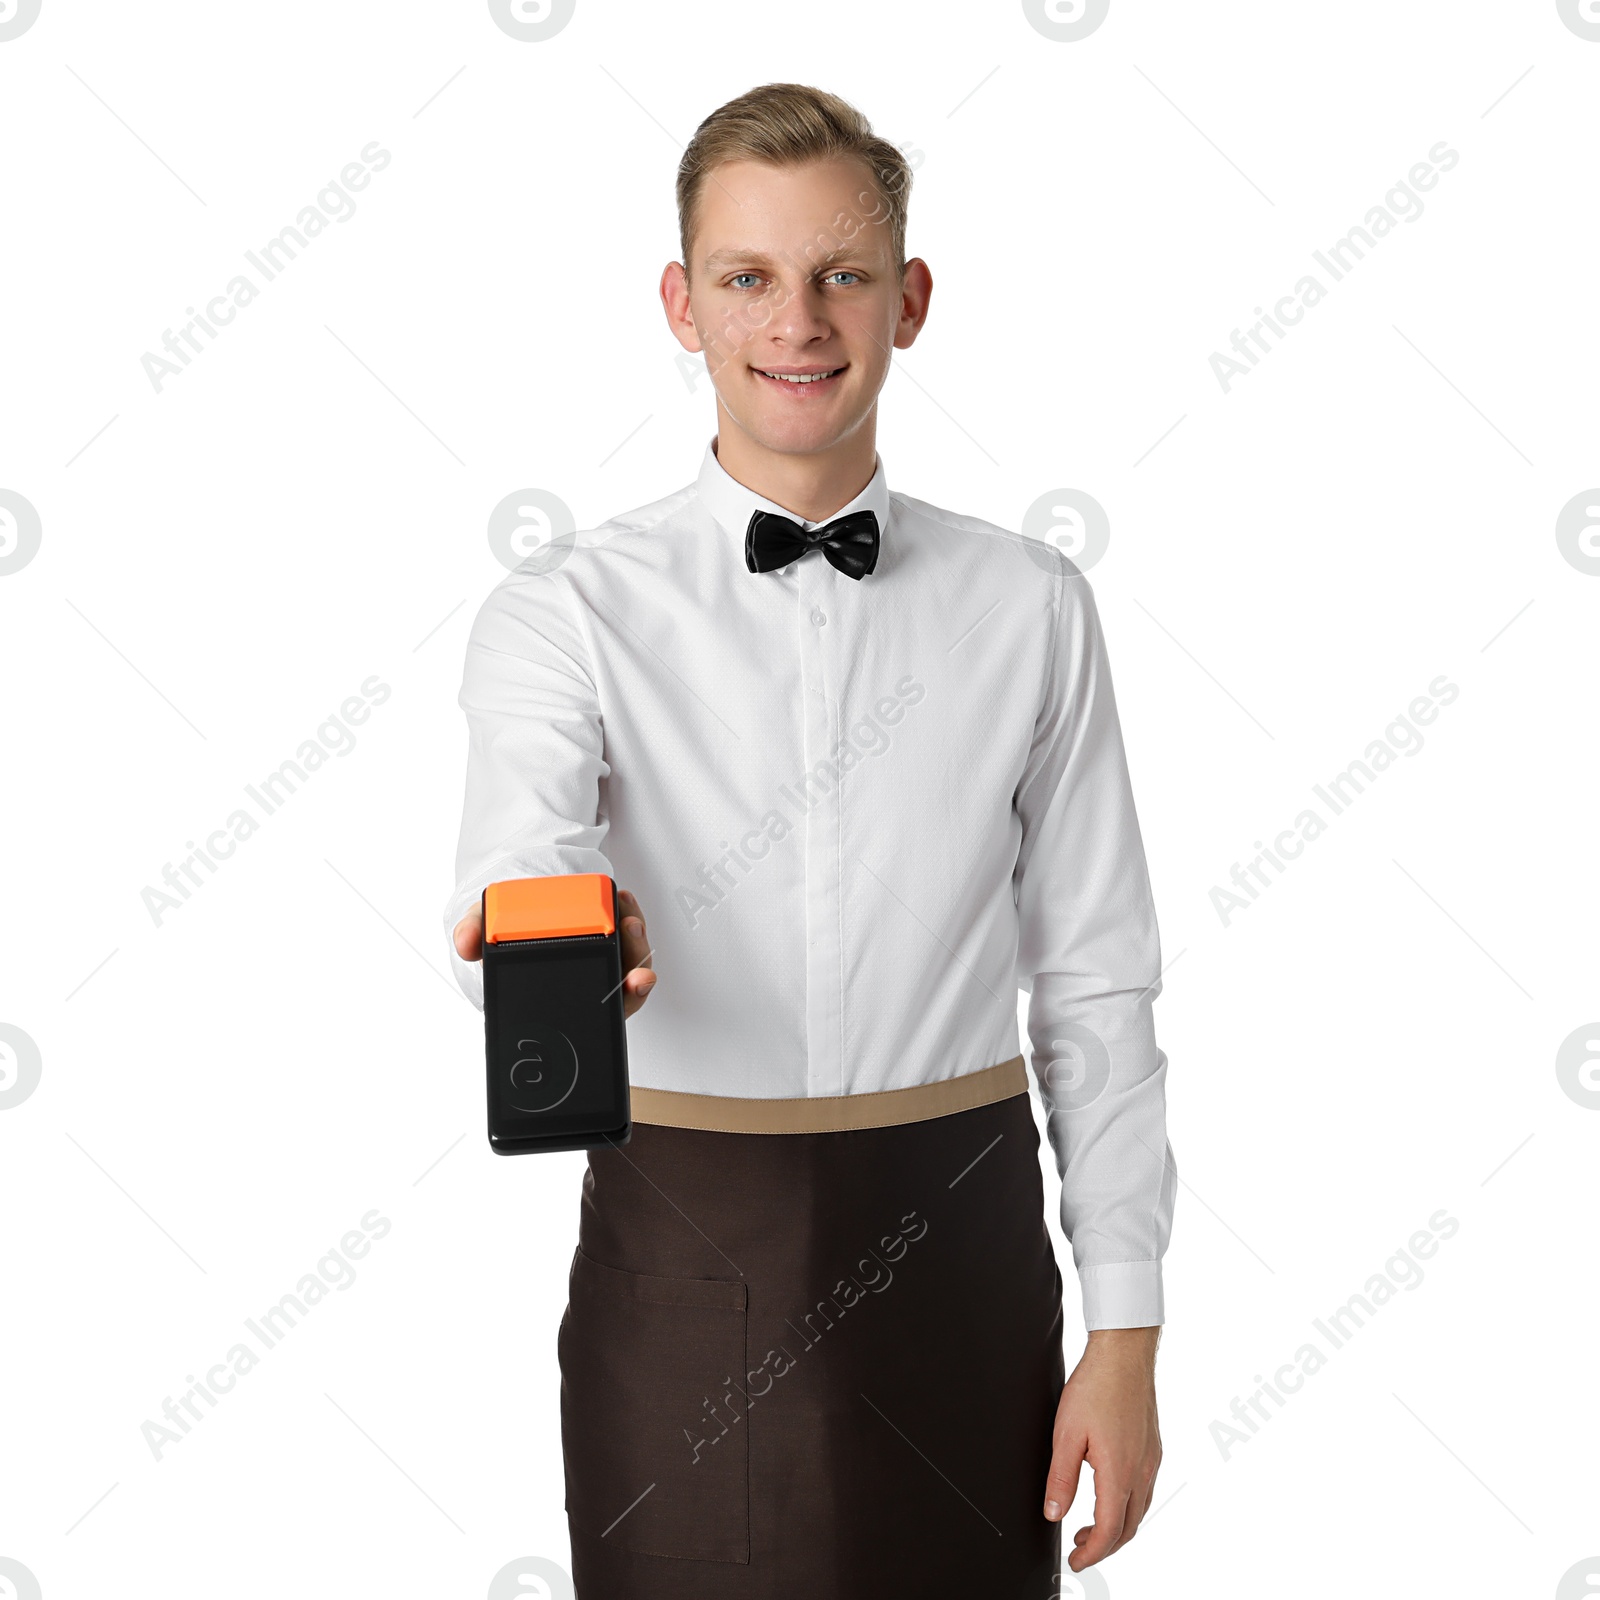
(756, 258)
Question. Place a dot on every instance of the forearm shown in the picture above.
(1102, 1081)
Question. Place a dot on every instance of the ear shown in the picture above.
(915, 294)
(675, 302)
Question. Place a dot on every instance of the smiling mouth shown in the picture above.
(799, 380)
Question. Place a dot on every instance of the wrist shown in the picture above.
(1133, 1344)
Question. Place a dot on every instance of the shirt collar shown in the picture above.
(731, 504)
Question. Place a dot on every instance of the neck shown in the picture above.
(812, 486)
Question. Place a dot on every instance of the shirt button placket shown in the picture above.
(824, 1074)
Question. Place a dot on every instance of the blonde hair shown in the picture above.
(785, 124)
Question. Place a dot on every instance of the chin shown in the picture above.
(796, 438)
(796, 435)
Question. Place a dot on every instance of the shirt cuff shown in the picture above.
(1122, 1294)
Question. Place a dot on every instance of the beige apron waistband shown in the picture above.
(883, 1108)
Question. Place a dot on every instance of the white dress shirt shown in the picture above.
(857, 814)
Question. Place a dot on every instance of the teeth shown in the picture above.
(799, 377)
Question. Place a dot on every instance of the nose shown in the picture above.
(800, 316)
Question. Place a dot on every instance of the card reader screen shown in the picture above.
(554, 1016)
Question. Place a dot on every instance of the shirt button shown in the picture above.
(818, 615)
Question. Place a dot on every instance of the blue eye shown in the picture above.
(738, 275)
(844, 272)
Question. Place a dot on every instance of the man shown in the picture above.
(861, 759)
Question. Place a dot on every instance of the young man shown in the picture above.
(860, 758)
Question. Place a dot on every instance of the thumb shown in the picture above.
(469, 936)
(1061, 1483)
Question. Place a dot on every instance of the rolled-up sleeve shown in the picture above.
(535, 750)
(1089, 955)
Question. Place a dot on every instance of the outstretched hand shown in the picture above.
(638, 978)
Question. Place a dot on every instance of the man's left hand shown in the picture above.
(1107, 1417)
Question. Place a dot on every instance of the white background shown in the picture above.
(224, 562)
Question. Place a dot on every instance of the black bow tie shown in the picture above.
(850, 543)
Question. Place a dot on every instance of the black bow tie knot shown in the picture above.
(849, 542)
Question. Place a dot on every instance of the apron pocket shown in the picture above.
(649, 1465)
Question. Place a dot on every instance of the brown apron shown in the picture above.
(815, 1364)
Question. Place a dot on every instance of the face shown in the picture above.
(794, 298)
